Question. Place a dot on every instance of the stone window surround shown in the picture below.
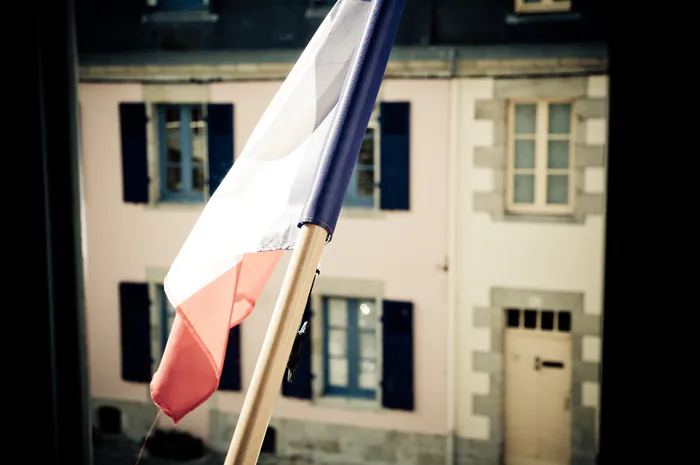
(583, 418)
(495, 157)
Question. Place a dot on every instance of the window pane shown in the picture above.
(564, 321)
(173, 153)
(173, 150)
(558, 154)
(367, 316)
(172, 115)
(196, 114)
(338, 372)
(366, 156)
(172, 144)
(532, 1)
(174, 179)
(368, 374)
(337, 342)
(198, 177)
(337, 313)
(525, 118)
(524, 191)
(197, 139)
(368, 345)
(559, 118)
(365, 182)
(524, 153)
(547, 320)
(513, 317)
(557, 189)
(530, 319)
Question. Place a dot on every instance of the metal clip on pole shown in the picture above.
(294, 357)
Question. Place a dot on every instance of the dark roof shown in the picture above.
(130, 26)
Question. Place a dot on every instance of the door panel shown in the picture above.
(537, 397)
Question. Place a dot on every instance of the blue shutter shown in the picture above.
(220, 135)
(397, 372)
(231, 372)
(132, 120)
(300, 387)
(394, 122)
(135, 332)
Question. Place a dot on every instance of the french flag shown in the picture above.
(294, 169)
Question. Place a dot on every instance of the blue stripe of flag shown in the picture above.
(355, 107)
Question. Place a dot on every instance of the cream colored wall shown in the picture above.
(405, 250)
(536, 255)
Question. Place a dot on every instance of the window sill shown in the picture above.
(202, 16)
(347, 403)
(359, 212)
(568, 218)
(539, 18)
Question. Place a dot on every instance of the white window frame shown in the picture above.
(543, 6)
(541, 136)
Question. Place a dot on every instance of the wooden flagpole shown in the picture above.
(272, 361)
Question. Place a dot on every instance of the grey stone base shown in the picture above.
(302, 442)
(476, 452)
(314, 443)
(137, 417)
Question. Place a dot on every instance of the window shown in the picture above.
(360, 191)
(179, 5)
(540, 157)
(544, 320)
(191, 154)
(364, 355)
(350, 347)
(542, 6)
(323, 2)
(182, 149)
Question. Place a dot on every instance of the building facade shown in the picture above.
(457, 315)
